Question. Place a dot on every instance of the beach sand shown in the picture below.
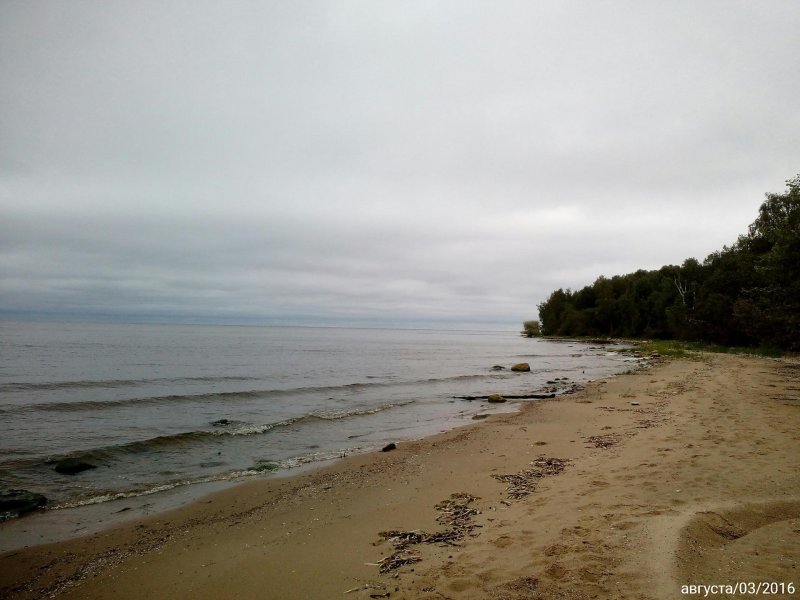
(683, 474)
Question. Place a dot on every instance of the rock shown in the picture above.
(389, 447)
(20, 501)
(521, 367)
(479, 417)
(221, 422)
(498, 368)
(72, 466)
(496, 398)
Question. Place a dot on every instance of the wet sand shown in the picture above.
(683, 474)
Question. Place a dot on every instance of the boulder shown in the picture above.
(521, 367)
(20, 501)
(389, 447)
(496, 398)
(72, 466)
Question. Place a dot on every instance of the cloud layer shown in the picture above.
(374, 162)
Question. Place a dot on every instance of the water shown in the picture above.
(155, 407)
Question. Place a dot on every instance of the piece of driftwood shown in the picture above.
(561, 388)
(511, 397)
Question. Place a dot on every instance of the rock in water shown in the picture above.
(20, 501)
(71, 466)
(498, 368)
(521, 367)
(388, 447)
(496, 398)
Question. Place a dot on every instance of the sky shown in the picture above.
(373, 163)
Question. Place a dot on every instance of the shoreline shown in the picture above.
(642, 453)
(65, 523)
(59, 522)
(204, 438)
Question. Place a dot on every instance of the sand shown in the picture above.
(683, 474)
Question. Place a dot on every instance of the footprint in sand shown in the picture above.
(503, 541)
(556, 571)
(556, 550)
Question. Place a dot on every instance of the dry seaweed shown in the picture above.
(604, 441)
(524, 483)
(397, 560)
(456, 514)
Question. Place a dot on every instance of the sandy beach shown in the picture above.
(682, 474)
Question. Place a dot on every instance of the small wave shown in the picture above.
(24, 386)
(472, 377)
(258, 470)
(94, 405)
(178, 441)
(344, 414)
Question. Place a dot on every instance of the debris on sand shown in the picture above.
(604, 441)
(524, 483)
(397, 560)
(457, 515)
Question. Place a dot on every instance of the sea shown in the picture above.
(156, 407)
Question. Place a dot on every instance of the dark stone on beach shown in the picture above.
(521, 368)
(21, 501)
(388, 447)
(72, 466)
(479, 417)
(496, 398)
(498, 368)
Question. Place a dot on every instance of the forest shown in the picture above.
(746, 294)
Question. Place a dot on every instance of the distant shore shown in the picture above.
(685, 473)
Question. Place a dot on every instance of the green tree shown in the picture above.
(747, 293)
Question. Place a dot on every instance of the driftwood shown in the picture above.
(511, 397)
(560, 389)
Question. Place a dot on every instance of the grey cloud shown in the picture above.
(388, 161)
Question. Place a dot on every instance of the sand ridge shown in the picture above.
(685, 473)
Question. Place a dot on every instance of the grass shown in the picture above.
(679, 349)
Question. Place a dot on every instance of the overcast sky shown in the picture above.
(378, 163)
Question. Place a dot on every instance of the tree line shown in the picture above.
(747, 294)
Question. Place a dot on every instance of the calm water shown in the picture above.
(154, 407)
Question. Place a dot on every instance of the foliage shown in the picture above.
(531, 328)
(679, 349)
(747, 294)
